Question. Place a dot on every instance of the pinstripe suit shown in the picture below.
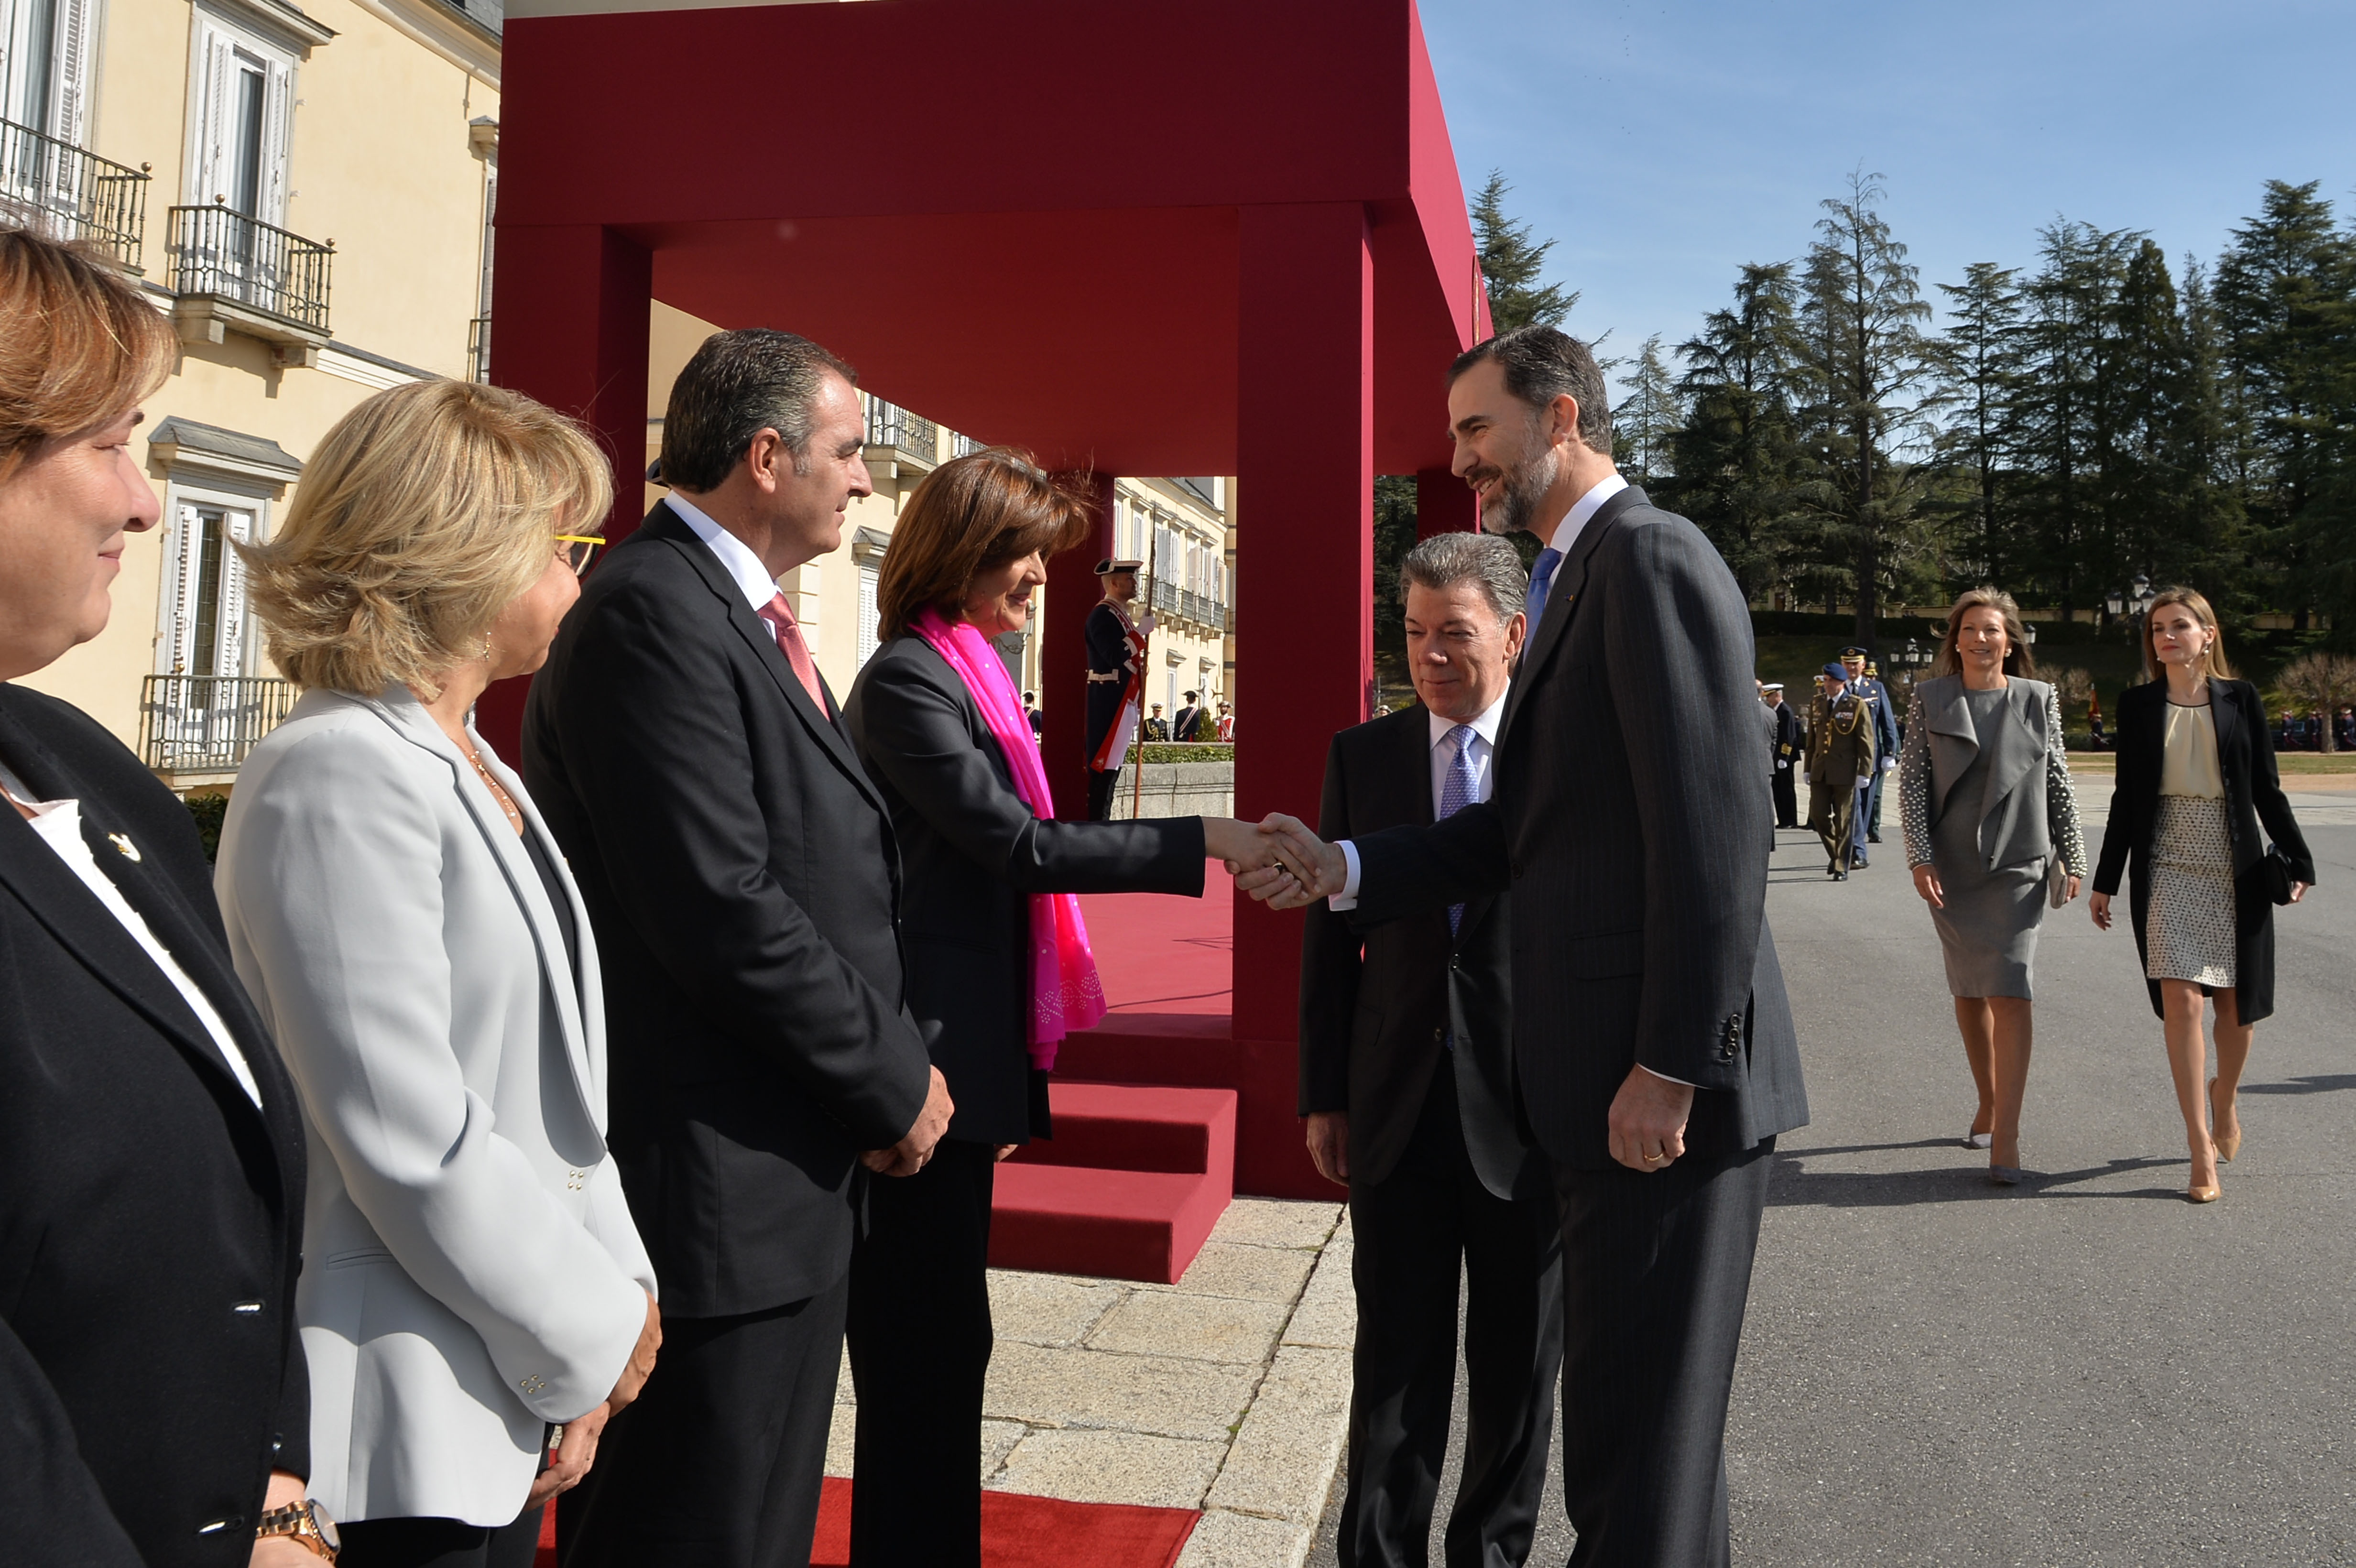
(1640, 936)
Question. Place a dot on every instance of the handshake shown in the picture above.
(1276, 860)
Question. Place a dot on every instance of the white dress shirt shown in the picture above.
(58, 822)
(736, 558)
(1566, 532)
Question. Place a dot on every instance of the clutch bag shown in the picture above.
(2276, 871)
(2057, 882)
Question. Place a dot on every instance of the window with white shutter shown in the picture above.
(240, 120)
(868, 573)
(207, 588)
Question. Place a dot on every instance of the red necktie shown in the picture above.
(779, 618)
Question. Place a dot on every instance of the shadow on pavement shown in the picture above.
(2314, 1083)
(1791, 1186)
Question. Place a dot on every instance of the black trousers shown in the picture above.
(440, 1542)
(718, 1463)
(1787, 798)
(920, 1339)
(1410, 1229)
(1656, 1277)
(1100, 788)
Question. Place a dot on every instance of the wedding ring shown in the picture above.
(1650, 1157)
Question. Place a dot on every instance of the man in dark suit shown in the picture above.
(741, 874)
(1866, 684)
(1789, 751)
(1186, 726)
(1406, 1081)
(1653, 1046)
(1115, 642)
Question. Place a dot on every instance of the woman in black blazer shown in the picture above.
(986, 877)
(154, 1408)
(2196, 778)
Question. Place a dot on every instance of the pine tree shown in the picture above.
(1735, 456)
(2212, 516)
(2066, 412)
(1646, 424)
(1868, 372)
(1979, 365)
(1511, 260)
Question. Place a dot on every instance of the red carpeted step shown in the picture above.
(1128, 1189)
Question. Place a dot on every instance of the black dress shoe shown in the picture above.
(1840, 876)
(1873, 838)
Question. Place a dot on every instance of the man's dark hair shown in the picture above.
(738, 385)
(1542, 364)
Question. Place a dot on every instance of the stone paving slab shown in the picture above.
(1227, 1392)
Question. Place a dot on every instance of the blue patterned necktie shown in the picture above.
(1541, 580)
(1456, 793)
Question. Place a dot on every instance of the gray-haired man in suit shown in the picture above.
(1652, 1044)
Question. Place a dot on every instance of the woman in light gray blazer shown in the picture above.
(1992, 836)
(409, 930)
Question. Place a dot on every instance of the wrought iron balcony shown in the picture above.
(207, 723)
(229, 269)
(890, 425)
(478, 349)
(56, 189)
(965, 445)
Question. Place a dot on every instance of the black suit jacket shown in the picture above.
(1639, 932)
(2245, 757)
(1373, 1007)
(151, 1217)
(972, 853)
(1182, 727)
(741, 875)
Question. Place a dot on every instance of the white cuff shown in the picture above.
(1665, 1078)
(1348, 897)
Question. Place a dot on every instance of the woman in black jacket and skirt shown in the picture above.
(999, 970)
(2196, 778)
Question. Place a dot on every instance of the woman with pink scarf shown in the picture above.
(999, 969)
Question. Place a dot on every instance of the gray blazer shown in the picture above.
(471, 1272)
(2030, 809)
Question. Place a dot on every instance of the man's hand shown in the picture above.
(641, 1361)
(1329, 1145)
(1306, 868)
(1648, 1121)
(576, 1450)
(908, 1156)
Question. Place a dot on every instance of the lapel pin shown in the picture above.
(123, 842)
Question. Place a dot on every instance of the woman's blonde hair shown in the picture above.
(2214, 656)
(78, 345)
(424, 513)
(2018, 660)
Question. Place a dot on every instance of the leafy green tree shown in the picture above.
(1645, 426)
(1511, 260)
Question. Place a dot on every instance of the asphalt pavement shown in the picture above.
(2083, 1369)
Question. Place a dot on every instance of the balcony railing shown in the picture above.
(220, 251)
(965, 445)
(478, 349)
(888, 424)
(54, 188)
(207, 723)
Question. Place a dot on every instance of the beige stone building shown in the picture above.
(305, 191)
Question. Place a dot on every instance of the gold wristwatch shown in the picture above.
(306, 1523)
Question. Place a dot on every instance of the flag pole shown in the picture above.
(1144, 671)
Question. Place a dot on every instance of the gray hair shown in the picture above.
(1444, 560)
(738, 385)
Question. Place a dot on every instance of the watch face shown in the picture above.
(325, 1523)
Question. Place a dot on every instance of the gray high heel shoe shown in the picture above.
(2004, 1174)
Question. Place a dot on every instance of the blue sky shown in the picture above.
(1662, 145)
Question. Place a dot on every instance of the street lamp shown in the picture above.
(2143, 595)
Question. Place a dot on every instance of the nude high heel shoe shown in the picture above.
(2227, 1148)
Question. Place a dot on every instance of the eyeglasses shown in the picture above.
(576, 550)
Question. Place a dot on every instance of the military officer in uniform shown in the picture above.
(1157, 728)
(1116, 647)
(1840, 761)
(1865, 682)
(1789, 755)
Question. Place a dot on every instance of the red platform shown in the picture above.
(1129, 1188)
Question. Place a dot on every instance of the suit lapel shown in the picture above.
(2223, 717)
(1563, 596)
(665, 524)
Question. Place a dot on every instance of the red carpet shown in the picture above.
(1016, 1532)
(1160, 954)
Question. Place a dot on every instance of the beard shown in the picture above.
(1520, 490)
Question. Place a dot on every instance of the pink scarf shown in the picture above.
(1065, 994)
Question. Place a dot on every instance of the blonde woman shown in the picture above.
(473, 1282)
(1984, 787)
(2196, 779)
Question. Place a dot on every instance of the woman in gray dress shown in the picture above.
(1984, 785)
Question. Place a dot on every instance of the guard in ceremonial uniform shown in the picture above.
(1840, 761)
(1864, 681)
(1788, 754)
(1116, 645)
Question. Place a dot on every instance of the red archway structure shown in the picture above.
(1161, 237)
